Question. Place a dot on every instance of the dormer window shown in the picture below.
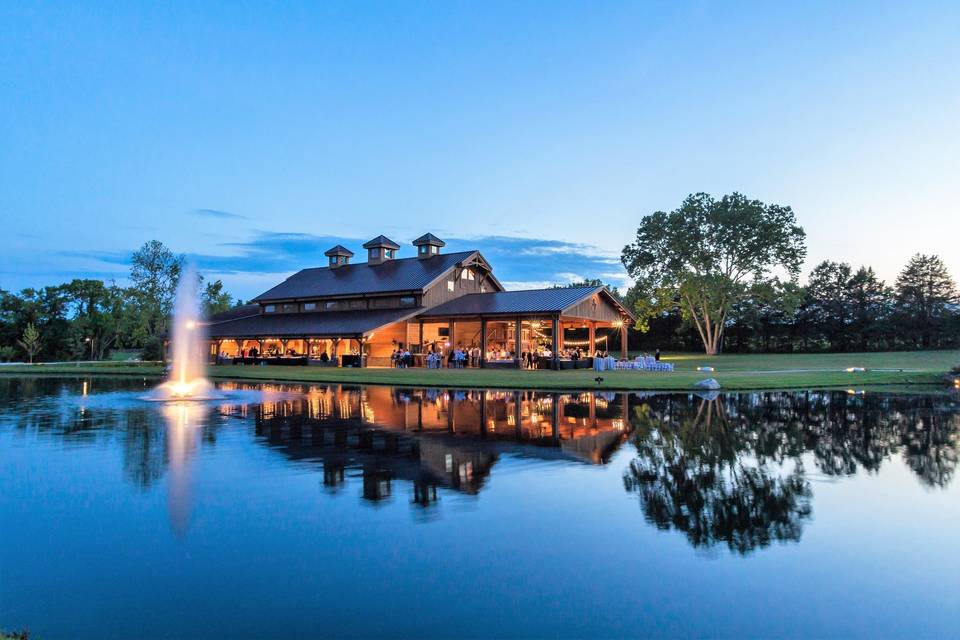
(339, 256)
(380, 249)
(428, 245)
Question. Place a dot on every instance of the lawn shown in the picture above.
(744, 372)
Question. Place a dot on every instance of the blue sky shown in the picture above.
(252, 136)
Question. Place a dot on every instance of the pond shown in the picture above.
(336, 511)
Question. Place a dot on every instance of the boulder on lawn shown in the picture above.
(708, 383)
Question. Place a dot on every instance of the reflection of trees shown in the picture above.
(691, 474)
(931, 446)
(729, 469)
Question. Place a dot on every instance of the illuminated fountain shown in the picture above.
(188, 348)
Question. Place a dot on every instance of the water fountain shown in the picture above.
(188, 351)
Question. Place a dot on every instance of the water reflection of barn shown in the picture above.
(435, 437)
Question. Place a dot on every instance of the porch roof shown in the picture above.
(529, 302)
(321, 324)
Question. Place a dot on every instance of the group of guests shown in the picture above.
(401, 359)
(458, 358)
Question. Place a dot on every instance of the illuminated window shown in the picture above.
(309, 306)
(330, 305)
(270, 308)
(449, 285)
(408, 301)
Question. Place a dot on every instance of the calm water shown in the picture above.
(319, 511)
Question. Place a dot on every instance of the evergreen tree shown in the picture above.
(926, 296)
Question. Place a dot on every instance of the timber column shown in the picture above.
(555, 356)
(517, 341)
(483, 346)
(623, 340)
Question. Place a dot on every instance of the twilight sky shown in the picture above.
(253, 136)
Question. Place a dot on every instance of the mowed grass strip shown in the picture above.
(738, 372)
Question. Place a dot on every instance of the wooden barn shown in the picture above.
(443, 309)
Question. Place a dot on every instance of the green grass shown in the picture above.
(738, 372)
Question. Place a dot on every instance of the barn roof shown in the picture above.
(403, 274)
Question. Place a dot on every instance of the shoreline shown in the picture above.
(580, 380)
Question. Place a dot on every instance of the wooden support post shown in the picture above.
(421, 336)
(623, 340)
(555, 330)
(453, 339)
(517, 340)
(592, 330)
(483, 347)
(561, 335)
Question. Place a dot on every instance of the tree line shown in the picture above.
(724, 275)
(86, 319)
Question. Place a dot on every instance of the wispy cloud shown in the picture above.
(217, 213)
(269, 256)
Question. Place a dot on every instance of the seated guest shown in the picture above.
(324, 357)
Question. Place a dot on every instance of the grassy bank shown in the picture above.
(753, 372)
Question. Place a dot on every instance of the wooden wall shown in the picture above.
(596, 307)
(440, 293)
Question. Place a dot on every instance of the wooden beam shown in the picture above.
(483, 345)
(592, 338)
(555, 330)
(517, 338)
(623, 341)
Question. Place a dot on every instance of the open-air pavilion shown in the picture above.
(430, 307)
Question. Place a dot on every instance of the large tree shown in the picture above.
(214, 299)
(925, 295)
(701, 258)
(102, 316)
(155, 272)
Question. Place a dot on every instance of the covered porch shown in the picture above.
(542, 329)
(306, 350)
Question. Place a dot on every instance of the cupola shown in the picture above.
(339, 256)
(380, 249)
(428, 245)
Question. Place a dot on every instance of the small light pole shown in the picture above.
(89, 342)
